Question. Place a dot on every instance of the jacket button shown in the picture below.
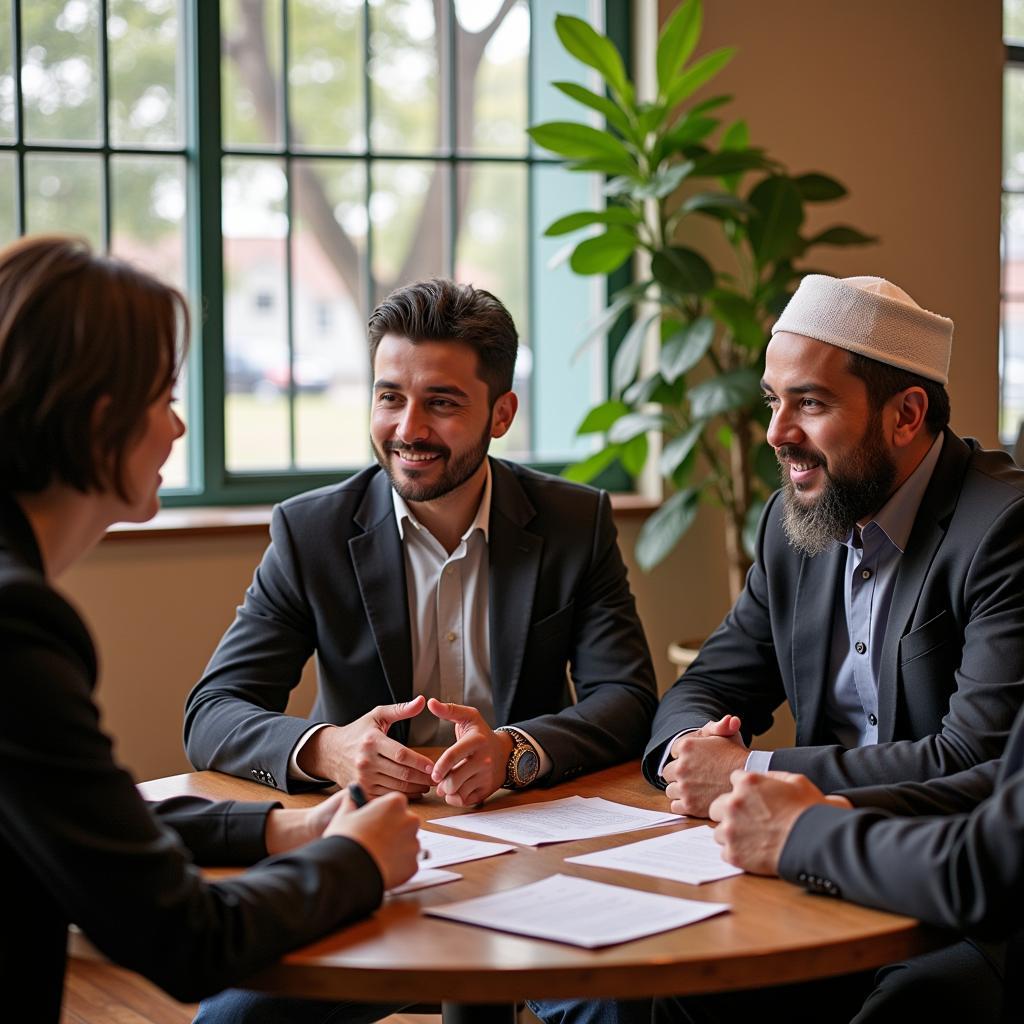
(255, 774)
(270, 779)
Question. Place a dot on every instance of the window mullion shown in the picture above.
(206, 277)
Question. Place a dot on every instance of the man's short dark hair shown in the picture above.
(87, 344)
(883, 381)
(441, 310)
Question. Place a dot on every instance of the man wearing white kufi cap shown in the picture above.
(885, 605)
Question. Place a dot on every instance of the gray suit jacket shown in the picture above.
(333, 582)
(959, 864)
(952, 669)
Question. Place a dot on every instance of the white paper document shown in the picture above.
(424, 879)
(558, 821)
(577, 911)
(445, 849)
(690, 856)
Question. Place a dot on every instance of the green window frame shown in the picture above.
(203, 154)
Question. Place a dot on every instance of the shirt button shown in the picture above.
(449, 570)
(451, 637)
(872, 720)
(865, 574)
(859, 647)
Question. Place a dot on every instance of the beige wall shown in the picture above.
(900, 100)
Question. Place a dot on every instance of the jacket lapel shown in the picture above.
(515, 555)
(818, 590)
(930, 525)
(380, 569)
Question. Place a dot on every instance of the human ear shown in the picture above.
(503, 413)
(910, 408)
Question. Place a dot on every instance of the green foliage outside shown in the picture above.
(668, 163)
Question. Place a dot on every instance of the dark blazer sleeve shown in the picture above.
(74, 824)
(224, 832)
(234, 716)
(611, 668)
(966, 680)
(955, 794)
(963, 871)
(736, 672)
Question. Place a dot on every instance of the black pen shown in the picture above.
(356, 792)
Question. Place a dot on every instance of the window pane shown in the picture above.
(490, 252)
(1013, 20)
(64, 194)
(59, 73)
(251, 72)
(255, 315)
(564, 384)
(409, 212)
(6, 73)
(144, 59)
(404, 72)
(1013, 128)
(8, 198)
(329, 315)
(325, 74)
(491, 76)
(148, 211)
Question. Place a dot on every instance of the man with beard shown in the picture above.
(886, 599)
(444, 594)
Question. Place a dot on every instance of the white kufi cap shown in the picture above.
(873, 317)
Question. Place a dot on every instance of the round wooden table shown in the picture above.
(776, 933)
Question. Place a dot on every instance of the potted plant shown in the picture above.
(668, 162)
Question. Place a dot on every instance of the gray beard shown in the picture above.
(846, 499)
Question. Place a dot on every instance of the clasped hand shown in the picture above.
(703, 762)
(469, 771)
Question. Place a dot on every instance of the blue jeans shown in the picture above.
(592, 1011)
(238, 1006)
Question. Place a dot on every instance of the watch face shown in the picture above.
(527, 766)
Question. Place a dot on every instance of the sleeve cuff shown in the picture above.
(758, 761)
(294, 771)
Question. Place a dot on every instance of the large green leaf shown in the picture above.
(727, 391)
(634, 455)
(766, 466)
(627, 356)
(664, 182)
(608, 318)
(818, 188)
(678, 38)
(654, 389)
(579, 141)
(612, 112)
(636, 423)
(583, 472)
(583, 219)
(740, 315)
(729, 161)
(685, 349)
(775, 232)
(735, 137)
(603, 253)
(750, 527)
(685, 132)
(596, 51)
(697, 74)
(662, 531)
(683, 271)
(841, 234)
(705, 202)
(602, 416)
(709, 104)
(679, 448)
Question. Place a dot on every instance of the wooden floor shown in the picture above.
(97, 993)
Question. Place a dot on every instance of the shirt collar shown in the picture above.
(481, 521)
(896, 517)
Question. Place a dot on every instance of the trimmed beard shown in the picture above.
(857, 486)
(456, 472)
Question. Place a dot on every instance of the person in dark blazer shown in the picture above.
(444, 594)
(886, 600)
(89, 350)
(947, 851)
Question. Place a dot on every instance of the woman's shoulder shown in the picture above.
(33, 613)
